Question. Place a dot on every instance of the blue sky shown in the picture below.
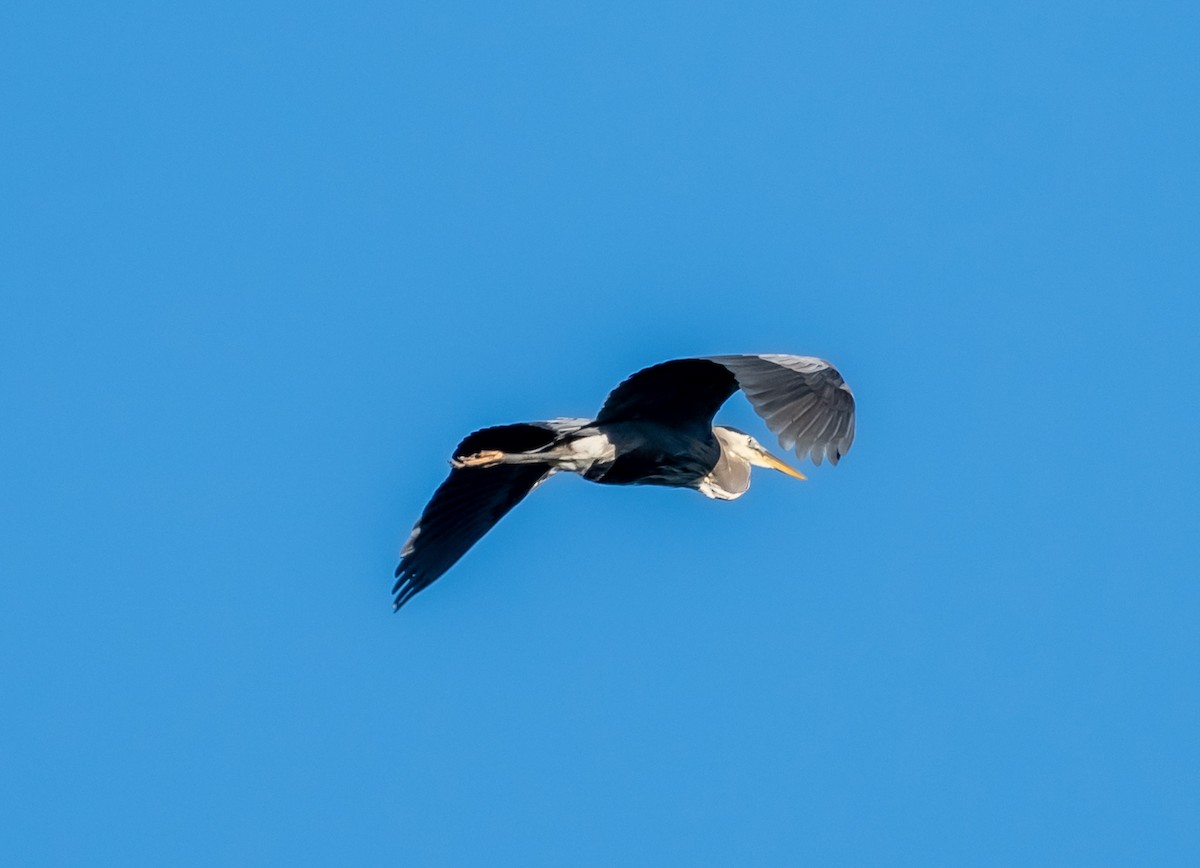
(264, 264)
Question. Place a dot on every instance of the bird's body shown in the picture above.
(630, 453)
(648, 453)
(654, 429)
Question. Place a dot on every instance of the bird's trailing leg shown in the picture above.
(492, 457)
(576, 454)
(486, 458)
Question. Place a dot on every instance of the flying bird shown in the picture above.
(656, 428)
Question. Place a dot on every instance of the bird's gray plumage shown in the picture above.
(655, 428)
(804, 401)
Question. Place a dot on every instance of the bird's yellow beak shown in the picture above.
(779, 464)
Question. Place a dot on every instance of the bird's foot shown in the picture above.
(486, 458)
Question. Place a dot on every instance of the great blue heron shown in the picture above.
(654, 429)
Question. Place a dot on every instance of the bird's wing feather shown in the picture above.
(471, 500)
(803, 400)
(683, 394)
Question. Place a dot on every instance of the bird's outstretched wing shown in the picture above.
(470, 502)
(803, 399)
(683, 394)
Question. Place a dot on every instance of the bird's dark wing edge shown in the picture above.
(468, 504)
(803, 399)
(683, 394)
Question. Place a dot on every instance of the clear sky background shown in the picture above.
(263, 264)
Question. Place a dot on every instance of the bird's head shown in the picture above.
(742, 445)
